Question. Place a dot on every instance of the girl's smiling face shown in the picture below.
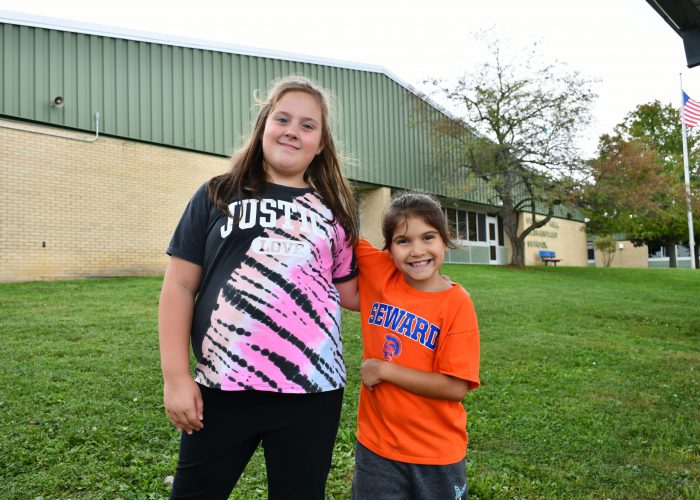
(418, 251)
(292, 138)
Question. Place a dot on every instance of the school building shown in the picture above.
(106, 134)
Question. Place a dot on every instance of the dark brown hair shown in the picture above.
(414, 204)
(247, 176)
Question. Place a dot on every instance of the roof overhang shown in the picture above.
(684, 17)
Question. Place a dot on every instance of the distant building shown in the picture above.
(105, 135)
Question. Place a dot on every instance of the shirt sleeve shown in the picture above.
(364, 250)
(344, 262)
(458, 354)
(190, 235)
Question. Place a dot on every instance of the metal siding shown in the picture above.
(55, 74)
(41, 74)
(188, 97)
(177, 74)
(26, 70)
(82, 82)
(207, 107)
(145, 114)
(236, 104)
(203, 100)
(157, 92)
(11, 68)
(197, 103)
(133, 89)
(95, 71)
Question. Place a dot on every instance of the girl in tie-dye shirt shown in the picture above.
(260, 263)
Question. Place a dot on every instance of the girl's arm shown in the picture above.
(181, 395)
(349, 294)
(428, 384)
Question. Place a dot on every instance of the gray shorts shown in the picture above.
(382, 479)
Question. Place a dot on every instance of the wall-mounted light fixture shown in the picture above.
(57, 102)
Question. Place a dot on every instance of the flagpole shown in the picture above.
(686, 173)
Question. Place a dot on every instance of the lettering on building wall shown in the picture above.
(543, 233)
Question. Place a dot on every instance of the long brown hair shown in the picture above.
(414, 204)
(247, 176)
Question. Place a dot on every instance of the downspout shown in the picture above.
(92, 139)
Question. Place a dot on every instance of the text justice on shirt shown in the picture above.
(264, 213)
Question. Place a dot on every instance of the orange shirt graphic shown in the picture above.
(427, 331)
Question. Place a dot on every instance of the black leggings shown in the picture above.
(297, 432)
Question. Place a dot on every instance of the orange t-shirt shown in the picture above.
(435, 332)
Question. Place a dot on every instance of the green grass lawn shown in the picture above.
(590, 388)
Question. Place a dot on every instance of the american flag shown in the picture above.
(690, 114)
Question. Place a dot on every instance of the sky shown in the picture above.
(634, 56)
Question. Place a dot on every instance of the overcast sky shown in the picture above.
(624, 44)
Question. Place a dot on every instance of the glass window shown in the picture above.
(481, 222)
(657, 251)
(451, 221)
(462, 224)
(472, 226)
(501, 235)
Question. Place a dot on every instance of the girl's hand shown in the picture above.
(183, 403)
(370, 372)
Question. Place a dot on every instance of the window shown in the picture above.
(482, 227)
(501, 235)
(462, 224)
(451, 217)
(657, 251)
(472, 226)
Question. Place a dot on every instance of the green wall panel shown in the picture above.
(203, 100)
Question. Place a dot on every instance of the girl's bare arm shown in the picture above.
(181, 395)
(349, 294)
(428, 384)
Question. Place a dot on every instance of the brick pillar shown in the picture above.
(372, 203)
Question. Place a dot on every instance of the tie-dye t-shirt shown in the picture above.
(267, 315)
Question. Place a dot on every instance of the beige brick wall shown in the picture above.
(372, 203)
(626, 255)
(78, 209)
(565, 237)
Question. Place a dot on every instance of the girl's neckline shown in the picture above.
(403, 284)
(307, 189)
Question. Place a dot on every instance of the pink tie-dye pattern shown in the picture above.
(306, 274)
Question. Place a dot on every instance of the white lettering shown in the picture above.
(226, 230)
(273, 246)
(288, 207)
(270, 213)
(250, 214)
(266, 207)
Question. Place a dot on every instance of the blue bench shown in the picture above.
(548, 256)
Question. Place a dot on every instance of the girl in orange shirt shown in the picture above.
(421, 356)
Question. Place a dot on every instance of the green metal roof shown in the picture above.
(183, 94)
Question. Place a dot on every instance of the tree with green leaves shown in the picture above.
(516, 132)
(607, 247)
(637, 180)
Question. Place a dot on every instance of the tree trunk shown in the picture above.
(510, 226)
(671, 252)
(518, 252)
